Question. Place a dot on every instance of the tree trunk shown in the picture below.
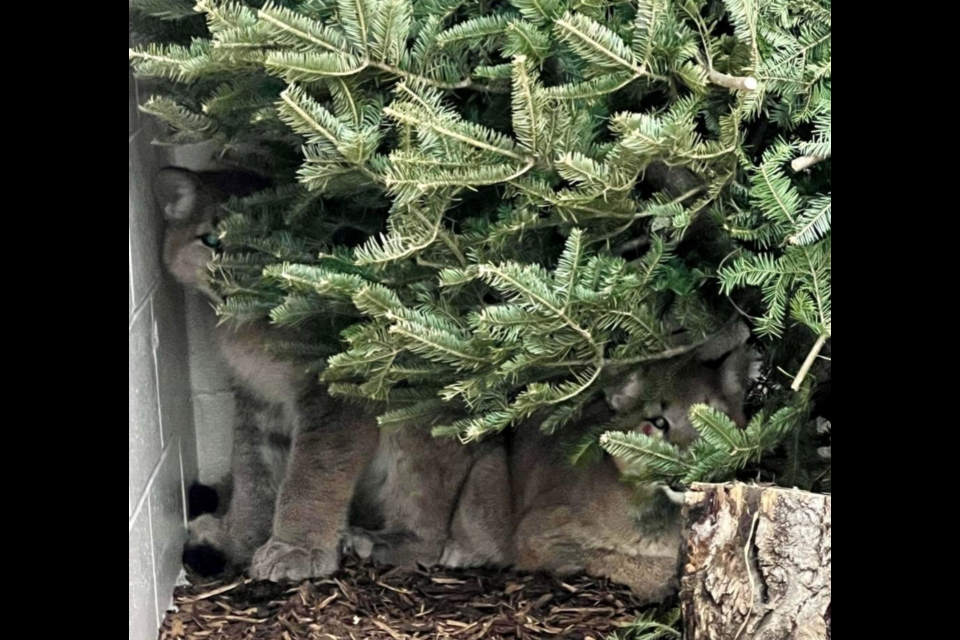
(757, 564)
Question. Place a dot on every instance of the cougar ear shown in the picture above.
(624, 395)
(177, 191)
(724, 342)
(727, 352)
(740, 368)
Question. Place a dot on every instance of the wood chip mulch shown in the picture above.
(365, 602)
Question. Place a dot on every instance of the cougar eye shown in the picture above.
(211, 240)
(662, 423)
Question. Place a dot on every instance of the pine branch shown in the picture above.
(539, 12)
(524, 39)
(296, 30)
(390, 30)
(476, 31)
(189, 126)
(660, 457)
(355, 16)
(225, 15)
(806, 162)
(428, 221)
(808, 363)
(733, 82)
(814, 223)
(592, 89)
(597, 44)
(528, 107)
(470, 135)
(305, 116)
(645, 26)
(176, 62)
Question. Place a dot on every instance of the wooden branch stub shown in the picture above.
(757, 564)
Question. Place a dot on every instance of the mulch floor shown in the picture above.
(366, 602)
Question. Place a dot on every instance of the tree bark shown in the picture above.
(757, 564)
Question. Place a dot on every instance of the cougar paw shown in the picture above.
(278, 562)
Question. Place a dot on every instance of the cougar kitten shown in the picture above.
(297, 452)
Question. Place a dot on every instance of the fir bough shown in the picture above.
(500, 208)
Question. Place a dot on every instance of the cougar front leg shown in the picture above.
(214, 544)
(327, 459)
(482, 528)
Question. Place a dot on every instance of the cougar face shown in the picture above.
(191, 204)
(656, 401)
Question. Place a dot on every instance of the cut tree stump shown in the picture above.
(757, 564)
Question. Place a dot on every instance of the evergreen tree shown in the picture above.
(504, 207)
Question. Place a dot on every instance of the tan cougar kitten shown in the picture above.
(523, 504)
(587, 519)
(297, 452)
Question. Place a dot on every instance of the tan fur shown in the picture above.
(587, 519)
(289, 504)
(434, 498)
(274, 380)
(297, 452)
(523, 504)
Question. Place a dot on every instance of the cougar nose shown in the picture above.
(651, 427)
